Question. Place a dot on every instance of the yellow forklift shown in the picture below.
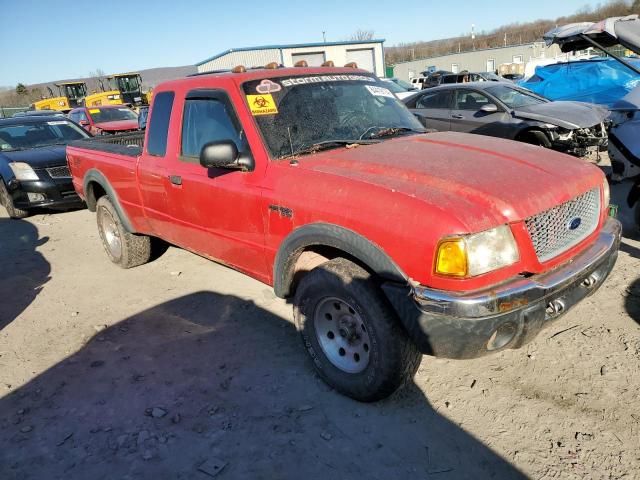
(70, 95)
(121, 89)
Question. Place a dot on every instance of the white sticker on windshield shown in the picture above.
(57, 122)
(379, 91)
(123, 109)
(291, 82)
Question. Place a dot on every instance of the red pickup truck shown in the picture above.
(390, 242)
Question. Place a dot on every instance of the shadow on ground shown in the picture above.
(209, 380)
(24, 271)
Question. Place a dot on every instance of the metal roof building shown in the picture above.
(484, 60)
(368, 54)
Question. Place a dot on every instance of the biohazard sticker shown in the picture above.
(379, 91)
(262, 104)
(267, 86)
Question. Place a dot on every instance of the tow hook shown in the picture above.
(555, 308)
(590, 281)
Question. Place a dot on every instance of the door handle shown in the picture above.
(175, 179)
(457, 115)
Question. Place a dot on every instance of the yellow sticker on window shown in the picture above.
(94, 110)
(262, 104)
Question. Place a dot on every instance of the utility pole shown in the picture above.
(473, 35)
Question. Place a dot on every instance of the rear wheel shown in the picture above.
(352, 334)
(125, 249)
(7, 201)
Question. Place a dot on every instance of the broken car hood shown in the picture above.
(569, 115)
(481, 181)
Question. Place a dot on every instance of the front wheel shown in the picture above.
(125, 249)
(7, 201)
(352, 334)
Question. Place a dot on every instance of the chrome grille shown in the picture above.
(554, 231)
(59, 172)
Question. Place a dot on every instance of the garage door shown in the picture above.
(363, 57)
(313, 59)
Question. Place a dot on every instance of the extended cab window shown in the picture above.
(207, 120)
(159, 125)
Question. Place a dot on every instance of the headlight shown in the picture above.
(606, 193)
(471, 255)
(23, 171)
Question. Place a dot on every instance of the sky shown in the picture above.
(46, 40)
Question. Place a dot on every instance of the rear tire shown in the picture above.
(123, 248)
(7, 201)
(352, 334)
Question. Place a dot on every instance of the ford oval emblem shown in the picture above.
(574, 223)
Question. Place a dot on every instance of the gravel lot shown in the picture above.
(185, 369)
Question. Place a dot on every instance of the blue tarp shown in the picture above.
(601, 81)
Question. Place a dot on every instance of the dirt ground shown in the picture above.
(183, 369)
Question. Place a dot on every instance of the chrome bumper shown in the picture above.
(467, 325)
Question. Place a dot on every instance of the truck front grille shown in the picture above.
(59, 172)
(556, 230)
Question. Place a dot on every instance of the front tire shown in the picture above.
(123, 248)
(352, 334)
(7, 201)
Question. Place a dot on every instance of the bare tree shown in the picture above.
(361, 35)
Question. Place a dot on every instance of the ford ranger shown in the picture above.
(389, 242)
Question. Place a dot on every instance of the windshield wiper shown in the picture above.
(393, 131)
(327, 144)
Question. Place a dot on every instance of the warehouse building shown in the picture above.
(368, 54)
(485, 60)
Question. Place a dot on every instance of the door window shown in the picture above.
(433, 100)
(469, 100)
(207, 120)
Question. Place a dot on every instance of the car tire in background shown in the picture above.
(7, 202)
(352, 333)
(123, 248)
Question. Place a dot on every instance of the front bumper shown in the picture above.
(56, 192)
(469, 325)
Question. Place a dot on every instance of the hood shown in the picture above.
(41, 157)
(118, 125)
(481, 181)
(570, 115)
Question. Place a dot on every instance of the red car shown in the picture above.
(108, 119)
(388, 241)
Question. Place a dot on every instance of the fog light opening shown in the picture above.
(502, 336)
(35, 197)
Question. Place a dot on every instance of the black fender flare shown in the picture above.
(96, 176)
(334, 236)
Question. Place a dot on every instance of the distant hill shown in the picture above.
(513, 34)
(150, 78)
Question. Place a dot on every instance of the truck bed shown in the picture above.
(129, 144)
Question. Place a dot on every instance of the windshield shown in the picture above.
(403, 84)
(515, 97)
(30, 135)
(128, 84)
(101, 115)
(395, 88)
(295, 113)
(75, 91)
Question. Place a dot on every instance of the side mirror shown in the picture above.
(489, 108)
(84, 123)
(221, 154)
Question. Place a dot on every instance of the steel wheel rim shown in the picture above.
(111, 234)
(342, 335)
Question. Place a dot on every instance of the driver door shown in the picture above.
(216, 211)
(466, 114)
